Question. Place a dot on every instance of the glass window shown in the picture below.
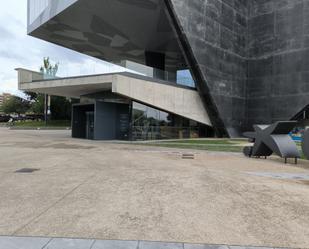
(165, 119)
(185, 78)
(149, 123)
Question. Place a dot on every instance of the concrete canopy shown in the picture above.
(172, 98)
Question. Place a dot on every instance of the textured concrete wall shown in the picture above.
(278, 65)
(217, 33)
(253, 55)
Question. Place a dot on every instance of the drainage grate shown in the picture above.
(26, 170)
(187, 156)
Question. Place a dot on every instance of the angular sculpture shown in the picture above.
(271, 139)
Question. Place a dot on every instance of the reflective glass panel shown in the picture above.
(36, 7)
(149, 123)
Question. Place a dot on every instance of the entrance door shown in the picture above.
(89, 125)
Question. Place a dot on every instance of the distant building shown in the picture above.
(4, 97)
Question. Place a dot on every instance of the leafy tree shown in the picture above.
(31, 95)
(37, 104)
(15, 105)
(60, 106)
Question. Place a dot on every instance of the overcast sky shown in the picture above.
(19, 50)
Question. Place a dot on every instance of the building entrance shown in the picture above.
(101, 121)
(89, 125)
(83, 121)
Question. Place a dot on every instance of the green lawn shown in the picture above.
(208, 141)
(225, 145)
(38, 124)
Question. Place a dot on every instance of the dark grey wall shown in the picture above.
(111, 121)
(105, 121)
(217, 34)
(253, 57)
(278, 65)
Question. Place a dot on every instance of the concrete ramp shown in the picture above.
(173, 98)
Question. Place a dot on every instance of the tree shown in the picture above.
(16, 105)
(37, 104)
(31, 95)
(37, 99)
(60, 106)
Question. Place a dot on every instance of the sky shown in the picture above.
(18, 50)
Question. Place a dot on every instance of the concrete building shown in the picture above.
(248, 61)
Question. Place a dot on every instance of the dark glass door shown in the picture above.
(89, 125)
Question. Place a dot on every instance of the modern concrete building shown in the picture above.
(248, 59)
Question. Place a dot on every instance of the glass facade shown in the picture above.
(36, 8)
(151, 124)
(185, 78)
(41, 11)
(180, 77)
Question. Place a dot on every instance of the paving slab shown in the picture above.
(22, 242)
(159, 245)
(114, 244)
(201, 246)
(69, 244)
(248, 247)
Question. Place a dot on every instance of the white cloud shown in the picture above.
(19, 50)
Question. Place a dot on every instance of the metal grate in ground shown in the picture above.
(26, 170)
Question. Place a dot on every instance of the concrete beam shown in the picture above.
(181, 101)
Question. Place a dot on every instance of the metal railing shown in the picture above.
(95, 66)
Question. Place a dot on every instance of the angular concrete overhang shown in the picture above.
(112, 30)
(180, 100)
(40, 11)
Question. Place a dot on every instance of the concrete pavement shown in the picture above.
(91, 189)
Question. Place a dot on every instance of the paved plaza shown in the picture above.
(53, 186)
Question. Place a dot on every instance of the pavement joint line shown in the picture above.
(47, 243)
(52, 205)
(92, 244)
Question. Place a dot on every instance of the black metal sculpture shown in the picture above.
(271, 139)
